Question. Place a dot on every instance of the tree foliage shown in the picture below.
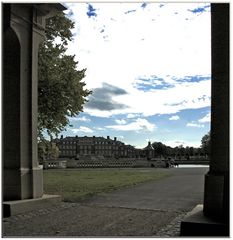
(205, 143)
(61, 91)
(47, 151)
(181, 151)
(160, 148)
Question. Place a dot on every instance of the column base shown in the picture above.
(23, 183)
(11, 208)
(197, 224)
(216, 196)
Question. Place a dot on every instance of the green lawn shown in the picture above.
(75, 185)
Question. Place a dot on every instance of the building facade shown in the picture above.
(75, 147)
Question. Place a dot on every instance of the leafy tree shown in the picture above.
(47, 150)
(176, 151)
(61, 92)
(169, 150)
(191, 151)
(205, 143)
(181, 150)
(160, 148)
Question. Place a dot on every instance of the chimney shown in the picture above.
(61, 136)
(115, 138)
(108, 137)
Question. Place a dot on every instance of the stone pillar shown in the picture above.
(216, 195)
(23, 32)
(212, 219)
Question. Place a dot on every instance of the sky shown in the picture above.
(149, 67)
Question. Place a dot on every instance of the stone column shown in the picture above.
(23, 32)
(216, 195)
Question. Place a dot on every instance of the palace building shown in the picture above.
(75, 147)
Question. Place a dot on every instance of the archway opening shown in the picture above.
(11, 113)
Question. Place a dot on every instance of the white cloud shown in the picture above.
(131, 115)
(120, 137)
(195, 125)
(176, 143)
(174, 118)
(165, 38)
(82, 129)
(120, 121)
(99, 128)
(150, 41)
(167, 101)
(205, 119)
(82, 119)
(137, 125)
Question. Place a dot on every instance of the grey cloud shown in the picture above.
(101, 98)
(176, 104)
(130, 11)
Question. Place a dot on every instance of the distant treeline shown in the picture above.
(161, 149)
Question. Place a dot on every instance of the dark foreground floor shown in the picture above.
(150, 209)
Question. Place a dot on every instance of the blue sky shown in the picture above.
(149, 67)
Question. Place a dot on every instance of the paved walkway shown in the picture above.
(150, 209)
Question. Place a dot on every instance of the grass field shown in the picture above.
(75, 185)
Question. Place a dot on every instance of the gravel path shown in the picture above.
(70, 219)
(150, 209)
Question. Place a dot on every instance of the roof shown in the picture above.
(91, 140)
(149, 147)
